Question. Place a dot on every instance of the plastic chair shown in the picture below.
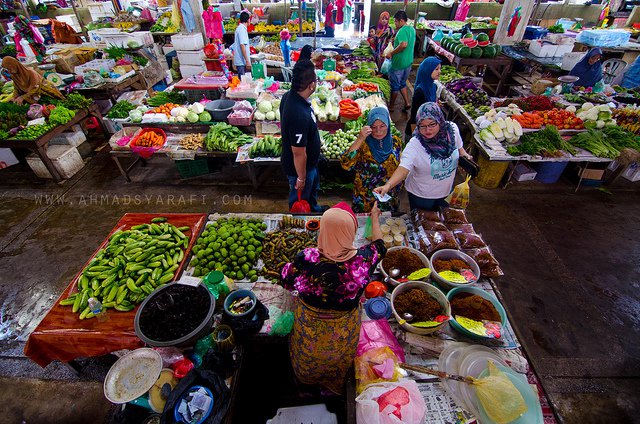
(611, 68)
(287, 73)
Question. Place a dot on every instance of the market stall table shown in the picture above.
(39, 145)
(62, 336)
(542, 63)
(112, 90)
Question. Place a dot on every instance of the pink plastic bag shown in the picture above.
(391, 403)
(378, 333)
(463, 11)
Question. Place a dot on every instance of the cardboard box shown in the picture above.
(569, 60)
(524, 172)
(590, 174)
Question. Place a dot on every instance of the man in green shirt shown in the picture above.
(401, 59)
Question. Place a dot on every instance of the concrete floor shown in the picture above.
(571, 263)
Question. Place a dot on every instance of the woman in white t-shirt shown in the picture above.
(429, 161)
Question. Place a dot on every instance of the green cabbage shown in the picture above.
(205, 117)
(265, 107)
(192, 117)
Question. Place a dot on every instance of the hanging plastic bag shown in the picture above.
(391, 403)
(386, 66)
(459, 197)
(462, 11)
(498, 396)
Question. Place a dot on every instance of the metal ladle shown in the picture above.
(394, 272)
(407, 317)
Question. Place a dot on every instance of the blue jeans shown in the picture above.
(309, 192)
(417, 202)
(242, 69)
(398, 78)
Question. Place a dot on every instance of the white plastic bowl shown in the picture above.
(421, 255)
(453, 254)
(433, 292)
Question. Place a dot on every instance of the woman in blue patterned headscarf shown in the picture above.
(425, 89)
(429, 161)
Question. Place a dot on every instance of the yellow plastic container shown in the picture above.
(491, 172)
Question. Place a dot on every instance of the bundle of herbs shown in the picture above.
(547, 142)
(607, 142)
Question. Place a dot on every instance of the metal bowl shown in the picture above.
(431, 291)
(453, 254)
(568, 79)
(394, 282)
(132, 375)
(220, 109)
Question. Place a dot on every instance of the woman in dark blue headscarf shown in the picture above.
(374, 157)
(589, 69)
(425, 89)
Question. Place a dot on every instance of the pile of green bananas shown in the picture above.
(267, 147)
(131, 266)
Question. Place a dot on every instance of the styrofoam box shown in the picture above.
(569, 60)
(632, 173)
(524, 172)
(96, 35)
(191, 70)
(73, 138)
(562, 49)
(187, 41)
(7, 158)
(96, 65)
(66, 160)
(144, 38)
(191, 57)
(542, 50)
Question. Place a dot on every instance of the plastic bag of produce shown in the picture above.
(459, 197)
(375, 366)
(390, 403)
(35, 111)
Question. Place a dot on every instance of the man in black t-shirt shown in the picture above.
(300, 137)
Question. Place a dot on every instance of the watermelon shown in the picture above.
(464, 51)
(489, 51)
(483, 43)
(476, 52)
(444, 42)
(482, 37)
(468, 35)
(467, 40)
(498, 48)
(472, 44)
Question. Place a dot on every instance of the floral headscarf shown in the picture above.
(338, 227)
(443, 143)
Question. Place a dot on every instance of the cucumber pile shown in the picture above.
(131, 266)
(267, 147)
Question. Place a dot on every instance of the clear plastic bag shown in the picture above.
(454, 216)
(470, 240)
(391, 403)
(437, 240)
(433, 226)
(461, 228)
(376, 365)
(489, 266)
(425, 215)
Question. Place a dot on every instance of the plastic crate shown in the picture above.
(604, 37)
(192, 168)
(534, 32)
(240, 122)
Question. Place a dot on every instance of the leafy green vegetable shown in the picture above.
(120, 110)
(225, 138)
(165, 97)
(607, 142)
(547, 142)
(61, 115)
(73, 101)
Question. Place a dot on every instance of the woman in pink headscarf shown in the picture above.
(329, 280)
(382, 37)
